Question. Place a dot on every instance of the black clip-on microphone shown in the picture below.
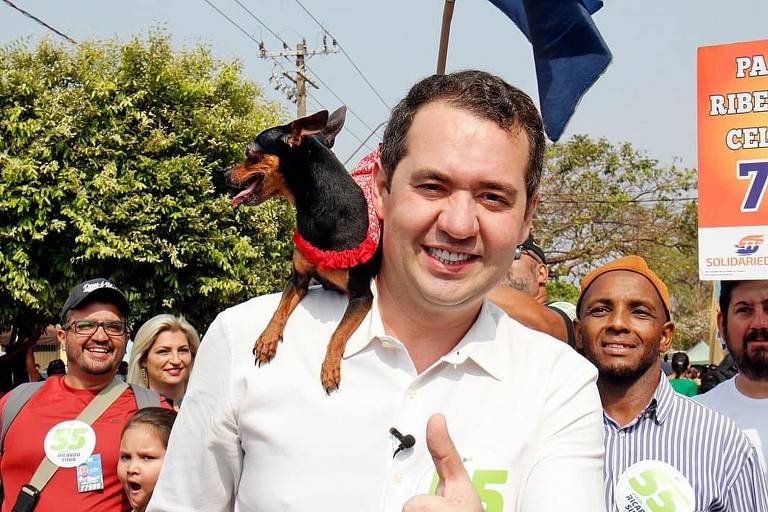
(406, 441)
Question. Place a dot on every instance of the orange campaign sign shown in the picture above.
(732, 109)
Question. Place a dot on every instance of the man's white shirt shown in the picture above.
(749, 414)
(522, 408)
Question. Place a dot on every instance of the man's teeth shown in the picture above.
(449, 257)
(98, 350)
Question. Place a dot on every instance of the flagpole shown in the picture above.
(445, 32)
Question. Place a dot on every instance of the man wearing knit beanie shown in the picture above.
(662, 450)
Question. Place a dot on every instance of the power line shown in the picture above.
(353, 134)
(337, 97)
(285, 45)
(364, 143)
(349, 109)
(41, 22)
(359, 71)
(233, 22)
(621, 201)
(313, 98)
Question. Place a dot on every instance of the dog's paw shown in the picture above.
(330, 375)
(266, 348)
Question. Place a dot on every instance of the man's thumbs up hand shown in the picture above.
(455, 492)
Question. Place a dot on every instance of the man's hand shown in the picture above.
(455, 492)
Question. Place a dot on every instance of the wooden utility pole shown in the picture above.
(298, 93)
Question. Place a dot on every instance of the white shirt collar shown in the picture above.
(477, 343)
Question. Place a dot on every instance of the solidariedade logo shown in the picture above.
(745, 254)
(749, 244)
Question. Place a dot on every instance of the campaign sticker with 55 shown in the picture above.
(653, 486)
(69, 443)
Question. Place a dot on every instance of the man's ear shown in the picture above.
(309, 125)
(720, 326)
(380, 191)
(668, 330)
(542, 273)
(61, 335)
(577, 334)
(525, 229)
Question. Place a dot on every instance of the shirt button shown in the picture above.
(412, 393)
(622, 434)
(397, 477)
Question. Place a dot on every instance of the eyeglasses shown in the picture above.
(520, 250)
(89, 327)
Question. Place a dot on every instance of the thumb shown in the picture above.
(454, 480)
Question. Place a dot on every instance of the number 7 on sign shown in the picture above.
(757, 172)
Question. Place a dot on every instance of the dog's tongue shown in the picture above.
(239, 198)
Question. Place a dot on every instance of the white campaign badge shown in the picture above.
(653, 486)
(69, 443)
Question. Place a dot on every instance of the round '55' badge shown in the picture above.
(653, 486)
(69, 443)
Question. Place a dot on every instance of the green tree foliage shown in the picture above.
(601, 201)
(559, 289)
(112, 158)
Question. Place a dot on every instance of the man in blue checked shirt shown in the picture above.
(663, 451)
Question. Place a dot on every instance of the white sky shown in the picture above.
(646, 97)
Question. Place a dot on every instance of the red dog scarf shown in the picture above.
(322, 259)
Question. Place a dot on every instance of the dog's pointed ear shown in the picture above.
(309, 125)
(335, 123)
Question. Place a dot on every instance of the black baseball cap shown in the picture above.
(95, 289)
(531, 245)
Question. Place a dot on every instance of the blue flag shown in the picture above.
(568, 50)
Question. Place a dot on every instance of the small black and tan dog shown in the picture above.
(333, 241)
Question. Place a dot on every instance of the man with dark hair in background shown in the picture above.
(679, 379)
(743, 324)
(56, 367)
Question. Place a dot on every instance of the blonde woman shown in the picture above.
(163, 352)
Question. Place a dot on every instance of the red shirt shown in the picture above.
(53, 403)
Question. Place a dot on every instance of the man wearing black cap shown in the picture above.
(94, 332)
(522, 293)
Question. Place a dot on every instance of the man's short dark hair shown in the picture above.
(56, 367)
(481, 93)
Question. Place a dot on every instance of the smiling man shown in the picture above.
(743, 324)
(663, 451)
(455, 190)
(94, 332)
